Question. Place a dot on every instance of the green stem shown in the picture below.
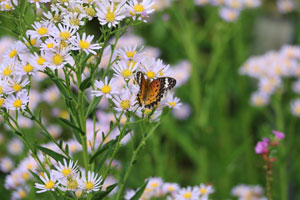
(133, 159)
(282, 148)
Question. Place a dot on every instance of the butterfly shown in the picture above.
(151, 92)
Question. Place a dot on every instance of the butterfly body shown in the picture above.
(151, 92)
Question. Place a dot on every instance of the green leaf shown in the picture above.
(93, 105)
(67, 122)
(85, 84)
(103, 149)
(102, 160)
(35, 175)
(139, 192)
(53, 154)
(101, 194)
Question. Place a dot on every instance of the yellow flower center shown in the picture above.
(187, 195)
(1, 89)
(106, 89)
(83, 44)
(154, 185)
(28, 68)
(17, 103)
(25, 175)
(7, 71)
(49, 185)
(8, 7)
(40, 61)
(172, 104)
(90, 12)
(150, 74)
(138, 7)
(89, 185)
(203, 190)
(126, 73)
(42, 31)
(1, 102)
(171, 188)
(110, 16)
(297, 110)
(147, 111)
(17, 87)
(130, 54)
(74, 22)
(22, 194)
(57, 59)
(56, 17)
(29, 166)
(72, 184)
(66, 171)
(64, 35)
(13, 53)
(125, 104)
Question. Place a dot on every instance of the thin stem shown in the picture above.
(133, 159)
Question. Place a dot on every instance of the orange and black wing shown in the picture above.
(140, 79)
(157, 89)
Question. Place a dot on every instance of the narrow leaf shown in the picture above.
(56, 156)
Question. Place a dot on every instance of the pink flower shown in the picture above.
(262, 147)
(279, 135)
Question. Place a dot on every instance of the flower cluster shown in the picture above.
(248, 192)
(158, 189)
(270, 70)
(55, 38)
(263, 147)
(231, 9)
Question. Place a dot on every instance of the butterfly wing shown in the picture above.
(157, 89)
(140, 79)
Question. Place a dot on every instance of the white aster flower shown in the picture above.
(41, 29)
(18, 101)
(140, 10)
(130, 53)
(171, 101)
(123, 70)
(38, 61)
(7, 70)
(91, 182)
(64, 32)
(106, 88)
(109, 13)
(170, 188)
(188, 193)
(260, 99)
(71, 183)
(11, 55)
(125, 101)
(84, 44)
(73, 20)
(229, 14)
(25, 68)
(295, 107)
(205, 191)
(4, 86)
(15, 147)
(51, 94)
(65, 170)
(49, 183)
(17, 83)
(57, 59)
(6, 164)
